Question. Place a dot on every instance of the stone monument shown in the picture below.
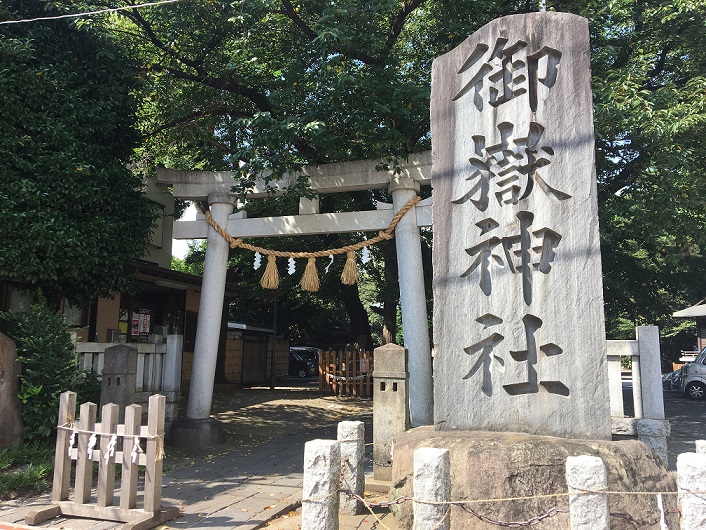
(518, 321)
(119, 377)
(10, 407)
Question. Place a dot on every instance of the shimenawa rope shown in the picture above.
(310, 279)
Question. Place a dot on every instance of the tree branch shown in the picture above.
(193, 116)
(226, 84)
(157, 42)
(408, 6)
(310, 33)
(298, 22)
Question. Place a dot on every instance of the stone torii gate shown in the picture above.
(330, 178)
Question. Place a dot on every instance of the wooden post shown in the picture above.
(106, 467)
(321, 371)
(371, 368)
(356, 371)
(335, 367)
(153, 468)
(62, 460)
(84, 457)
(128, 488)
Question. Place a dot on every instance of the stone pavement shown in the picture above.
(241, 488)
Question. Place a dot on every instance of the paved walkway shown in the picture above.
(241, 489)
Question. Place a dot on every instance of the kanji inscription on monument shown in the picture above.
(518, 305)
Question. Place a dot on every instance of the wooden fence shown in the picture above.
(346, 373)
(108, 443)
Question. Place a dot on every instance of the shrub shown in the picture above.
(49, 367)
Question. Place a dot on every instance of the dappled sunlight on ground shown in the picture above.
(255, 415)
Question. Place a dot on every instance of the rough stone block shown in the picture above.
(691, 470)
(10, 408)
(195, 434)
(432, 483)
(351, 436)
(322, 471)
(587, 511)
(492, 465)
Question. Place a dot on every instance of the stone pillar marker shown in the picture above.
(587, 511)
(390, 409)
(119, 378)
(432, 482)
(351, 436)
(518, 323)
(322, 471)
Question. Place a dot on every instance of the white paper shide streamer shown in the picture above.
(110, 450)
(91, 444)
(136, 449)
(72, 441)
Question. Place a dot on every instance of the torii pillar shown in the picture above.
(415, 325)
(199, 429)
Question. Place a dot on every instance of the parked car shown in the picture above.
(693, 377)
(672, 380)
(310, 354)
(667, 380)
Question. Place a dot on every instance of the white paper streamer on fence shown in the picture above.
(72, 441)
(344, 378)
(91, 444)
(110, 449)
(136, 449)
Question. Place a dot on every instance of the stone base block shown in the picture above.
(495, 465)
(377, 486)
(186, 433)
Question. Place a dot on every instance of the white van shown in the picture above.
(693, 381)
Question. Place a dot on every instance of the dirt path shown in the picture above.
(255, 415)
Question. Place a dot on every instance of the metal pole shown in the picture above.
(274, 346)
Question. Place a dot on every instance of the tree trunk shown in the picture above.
(360, 323)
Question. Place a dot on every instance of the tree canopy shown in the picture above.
(649, 82)
(72, 215)
(275, 84)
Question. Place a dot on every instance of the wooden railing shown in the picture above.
(108, 443)
(152, 361)
(348, 373)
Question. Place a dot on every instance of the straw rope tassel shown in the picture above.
(310, 279)
(270, 280)
(350, 270)
(160, 447)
